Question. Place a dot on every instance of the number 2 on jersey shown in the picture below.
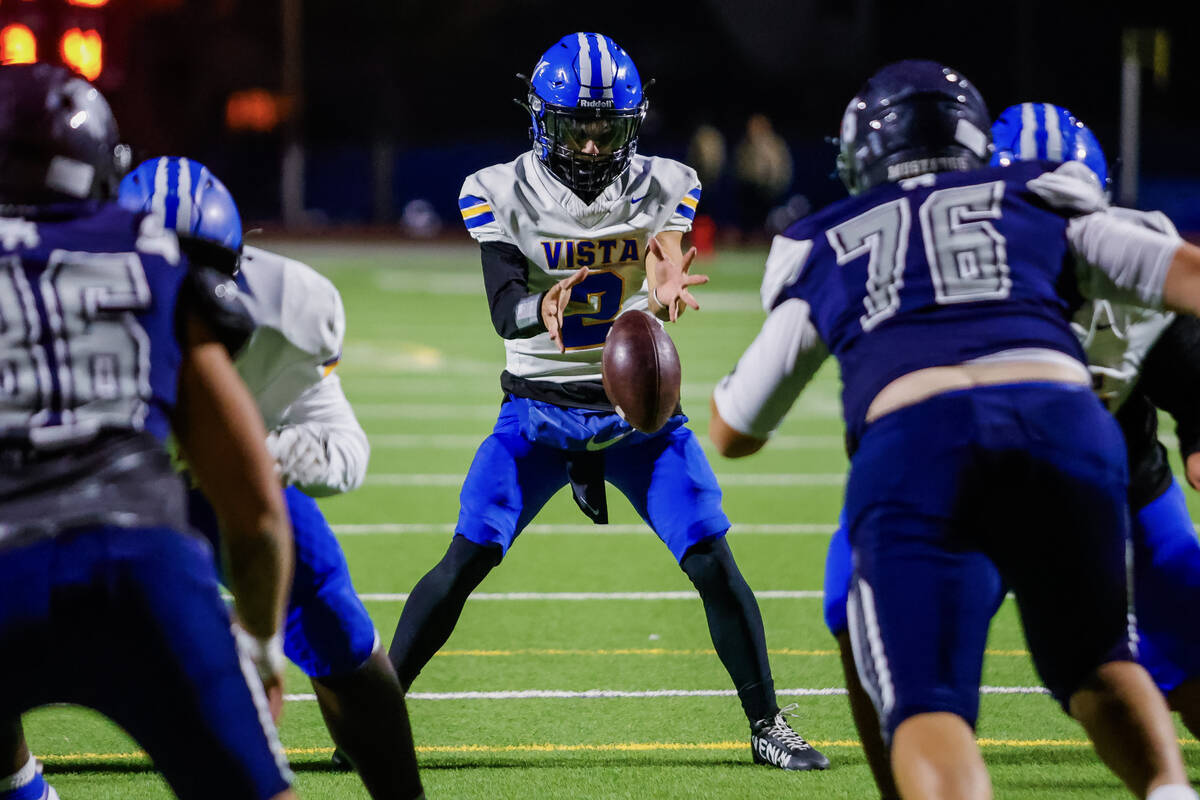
(967, 256)
(602, 292)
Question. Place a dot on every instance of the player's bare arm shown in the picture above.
(222, 435)
(1181, 289)
(729, 441)
(667, 273)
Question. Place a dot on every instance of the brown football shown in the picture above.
(641, 371)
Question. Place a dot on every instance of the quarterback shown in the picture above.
(572, 234)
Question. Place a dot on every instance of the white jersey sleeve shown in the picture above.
(288, 365)
(685, 184)
(320, 447)
(1120, 258)
(475, 206)
(1116, 337)
(755, 397)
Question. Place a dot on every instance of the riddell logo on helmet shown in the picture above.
(587, 102)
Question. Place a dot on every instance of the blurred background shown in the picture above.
(364, 116)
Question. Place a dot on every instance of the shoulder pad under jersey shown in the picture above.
(296, 300)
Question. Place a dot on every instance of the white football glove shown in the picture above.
(299, 454)
(266, 654)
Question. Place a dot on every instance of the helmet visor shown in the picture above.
(592, 131)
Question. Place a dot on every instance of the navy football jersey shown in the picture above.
(932, 271)
(89, 367)
(87, 341)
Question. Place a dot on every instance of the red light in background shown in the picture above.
(83, 51)
(18, 45)
(88, 3)
(255, 110)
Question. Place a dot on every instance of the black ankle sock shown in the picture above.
(735, 624)
(435, 604)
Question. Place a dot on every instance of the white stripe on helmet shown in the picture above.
(608, 67)
(1054, 140)
(183, 214)
(1029, 125)
(158, 198)
(585, 65)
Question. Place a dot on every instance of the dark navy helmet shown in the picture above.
(1046, 132)
(910, 118)
(586, 103)
(58, 138)
(191, 201)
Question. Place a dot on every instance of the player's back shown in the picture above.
(937, 270)
(299, 326)
(89, 364)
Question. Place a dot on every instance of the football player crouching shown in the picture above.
(572, 234)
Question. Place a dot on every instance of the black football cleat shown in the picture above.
(340, 762)
(773, 742)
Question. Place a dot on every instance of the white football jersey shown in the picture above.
(299, 326)
(288, 364)
(523, 204)
(1118, 337)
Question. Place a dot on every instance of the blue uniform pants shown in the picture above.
(1026, 481)
(129, 622)
(517, 469)
(327, 631)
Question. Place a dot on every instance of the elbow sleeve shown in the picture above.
(516, 314)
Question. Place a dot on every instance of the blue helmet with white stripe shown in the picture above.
(586, 103)
(910, 118)
(1046, 132)
(191, 201)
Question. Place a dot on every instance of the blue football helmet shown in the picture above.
(910, 118)
(586, 103)
(191, 201)
(58, 138)
(1046, 132)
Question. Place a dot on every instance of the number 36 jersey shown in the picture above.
(87, 341)
(521, 203)
(89, 367)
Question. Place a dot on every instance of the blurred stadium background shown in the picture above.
(322, 113)
(344, 130)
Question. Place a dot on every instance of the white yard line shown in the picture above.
(733, 479)
(607, 694)
(455, 441)
(399, 528)
(781, 594)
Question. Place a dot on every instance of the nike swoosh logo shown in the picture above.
(637, 200)
(592, 444)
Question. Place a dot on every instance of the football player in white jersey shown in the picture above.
(319, 449)
(573, 234)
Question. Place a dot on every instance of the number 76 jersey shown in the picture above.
(523, 204)
(933, 271)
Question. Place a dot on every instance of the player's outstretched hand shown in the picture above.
(555, 303)
(673, 279)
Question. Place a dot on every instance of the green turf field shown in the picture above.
(421, 366)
